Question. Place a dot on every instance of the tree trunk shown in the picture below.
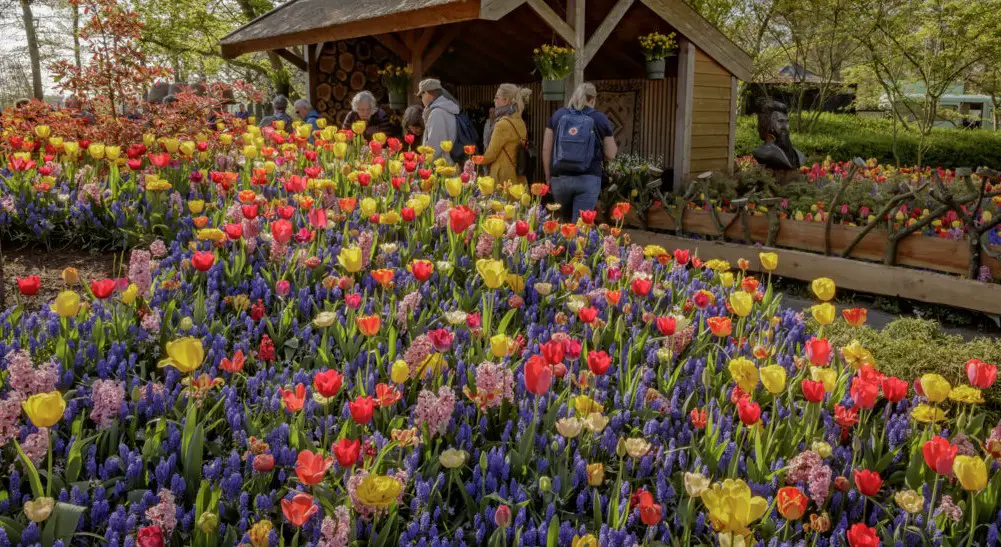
(76, 35)
(33, 54)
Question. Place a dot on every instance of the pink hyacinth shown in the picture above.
(10, 414)
(484, 245)
(408, 306)
(435, 410)
(365, 241)
(158, 249)
(634, 261)
(540, 251)
(27, 379)
(164, 514)
(495, 382)
(418, 351)
(36, 446)
(108, 396)
(819, 484)
(139, 270)
(802, 465)
(151, 322)
(335, 529)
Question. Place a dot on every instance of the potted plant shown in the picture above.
(397, 82)
(657, 48)
(554, 63)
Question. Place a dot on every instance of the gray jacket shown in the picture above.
(439, 123)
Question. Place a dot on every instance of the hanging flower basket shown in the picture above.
(657, 48)
(397, 82)
(554, 63)
(397, 99)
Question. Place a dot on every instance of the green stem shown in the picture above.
(48, 485)
(973, 518)
(931, 502)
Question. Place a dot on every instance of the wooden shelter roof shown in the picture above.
(530, 22)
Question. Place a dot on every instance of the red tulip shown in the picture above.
(408, 214)
(553, 351)
(868, 482)
(318, 218)
(328, 383)
(233, 231)
(233, 365)
(792, 502)
(460, 218)
(667, 325)
(588, 315)
(160, 160)
(311, 467)
(650, 514)
(299, 509)
(681, 256)
(102, 289)
(812, 391)
(361, 409)
(864, 393)
(29, 285)
(521, 228)
(641, 286)
(347, 452)
(422, 269)
(981, 374)
(860, 535)
(386, 395)
(598, 362)
(699, 418)
(538, 375)
(748, 411)
(294, 400)
(352, 300)
(281, 231)
(939, 454)
(587, 217)
(264, 463)
(150, 536)
(203, 260)
(818, 350)
(894, 389)
(286, 211)
(249, 212)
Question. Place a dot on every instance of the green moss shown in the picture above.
(908, 348)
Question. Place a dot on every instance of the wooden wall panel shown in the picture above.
(711, 108)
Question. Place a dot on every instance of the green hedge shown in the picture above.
(908, 348)
(846, 136)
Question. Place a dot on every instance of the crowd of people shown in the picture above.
(578, 138)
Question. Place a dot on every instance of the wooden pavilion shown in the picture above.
(687, 120)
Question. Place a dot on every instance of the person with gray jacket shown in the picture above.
(440, 110)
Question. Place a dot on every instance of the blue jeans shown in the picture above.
(576, 193)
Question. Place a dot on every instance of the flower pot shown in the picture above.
(655, 69)
(554, 90)
(397, 99)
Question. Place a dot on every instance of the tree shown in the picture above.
(34, 55)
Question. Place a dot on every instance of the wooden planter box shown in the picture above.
(917, 251)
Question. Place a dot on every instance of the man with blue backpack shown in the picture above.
(444, 120)
(578, 140)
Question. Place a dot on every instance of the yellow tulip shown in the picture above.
(742, 303)
(486, 185)
(112, 152)
(653, 251)
(42, 131)
(96, 151)
(350, 259)
(400, 372)
(389, 217)
(375, 171)
(39, 510)
(129, 295)
(226, 139)
(500, 345)
(340, 137)
(446, 146)
(56, 142)
(279, 125)
(340, 150)
(188, 148)
(45, 409)
(170, 144)
(185, 354)
(395, 167)
(856, 355)
(71, 148)
(731, 506)
(935, 387)
(585, 405)
(773, 377)
(452, 458)
(726, 279)
(925, 413)
(492, 271)
(379, 491)
(196, 206)
(321, 123)
(823, 313)
(359, 127)
(744, 373)
(495, 227)
(303, 131)
(516, 282)
(588, 540)
(826, 376)
(823, 287)
(509, 211)
(368, 207)
(67, 304)
(971, 472)
(453, 186)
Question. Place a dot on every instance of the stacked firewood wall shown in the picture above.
(347, 67)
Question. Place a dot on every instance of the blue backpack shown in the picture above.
(575, 143)
(465, 134)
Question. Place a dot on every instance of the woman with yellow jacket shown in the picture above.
(509, 134)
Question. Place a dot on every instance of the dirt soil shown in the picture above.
(49, 265)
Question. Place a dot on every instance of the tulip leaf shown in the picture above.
(13, 529)
(553, 535)
(502, 327)
(62, 523)
(33, 478)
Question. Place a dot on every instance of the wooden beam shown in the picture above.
(313, 72)
(708, 38)
(683, 114)
(441, 46)
(559, 25)
(392, 43)
(422, 41)
(732, 144)
(492, 10)
(317, 51)
(296, 61)
(409, 38)
(575, 17)
(854, 275)
(604, 30)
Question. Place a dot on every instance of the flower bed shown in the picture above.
(322, 341)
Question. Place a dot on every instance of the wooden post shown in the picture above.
(683, 114)
(732, 144)
(575, 18)
(312, 72)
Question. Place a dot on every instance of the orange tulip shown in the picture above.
(568, 230)
(791, 502)
(369, 324)
(247, 196)
(613, 297)
(347, 204)
(855, 316)
(299, 509)
(720, 326)
(477, 160)
(311, 467)
(550, 226)
(383, 276)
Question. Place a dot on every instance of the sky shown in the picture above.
(13, 42)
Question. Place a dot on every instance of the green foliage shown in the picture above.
(846, 136)
(908, 348)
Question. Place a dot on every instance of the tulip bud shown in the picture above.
(545, 483)
(208, 522)
(187, 324)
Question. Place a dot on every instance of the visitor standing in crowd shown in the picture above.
(440, 111)
(307, 113)
(280, 105)
(488, 126)
(241, 112)
(578, 139)
(365, 108)
(413, 123)
(509, 134)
